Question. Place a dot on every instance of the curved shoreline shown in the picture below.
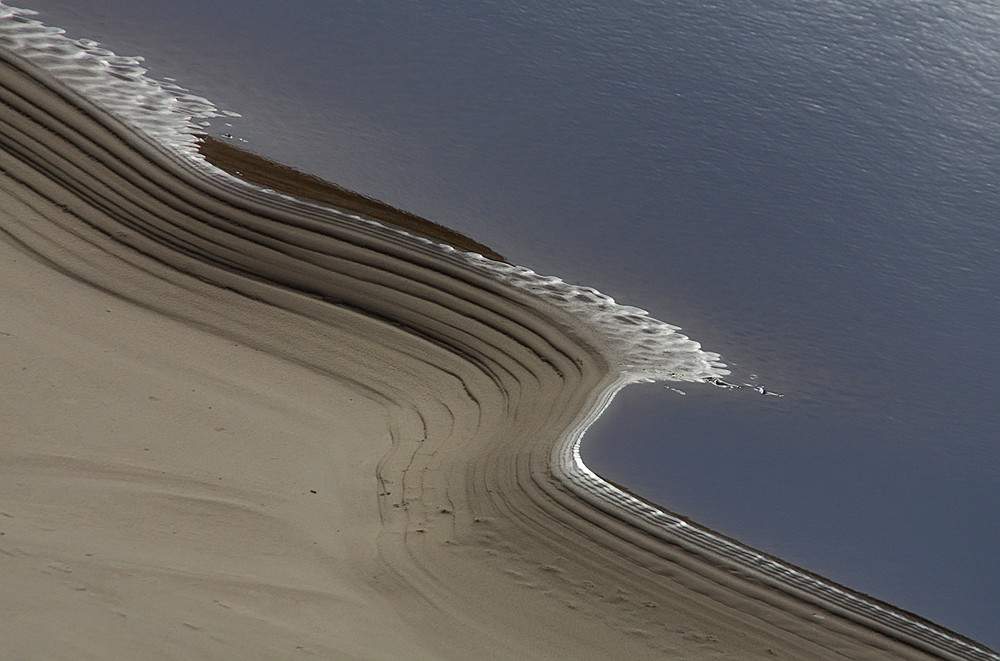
(480, 381)
(745, 561)
(570, 470)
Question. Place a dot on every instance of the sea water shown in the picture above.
(808, 189)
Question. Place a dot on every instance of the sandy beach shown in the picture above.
(237, 425)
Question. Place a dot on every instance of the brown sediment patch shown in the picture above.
(267, 173)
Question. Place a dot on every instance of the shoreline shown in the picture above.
(719, 551)
(266, 173)
(466, 535)
(566, 464)
(572, 471)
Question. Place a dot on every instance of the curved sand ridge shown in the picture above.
(477, 532)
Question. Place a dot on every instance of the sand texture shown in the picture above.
(237, 426)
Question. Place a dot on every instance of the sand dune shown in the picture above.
(241, 426)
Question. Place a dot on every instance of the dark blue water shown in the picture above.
(809, 189)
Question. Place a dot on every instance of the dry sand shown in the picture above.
(233, 429)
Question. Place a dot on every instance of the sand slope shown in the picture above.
(236, 429)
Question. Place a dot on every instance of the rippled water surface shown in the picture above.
(808, 189)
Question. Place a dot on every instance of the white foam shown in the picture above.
(640, 346)
(161, 110)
